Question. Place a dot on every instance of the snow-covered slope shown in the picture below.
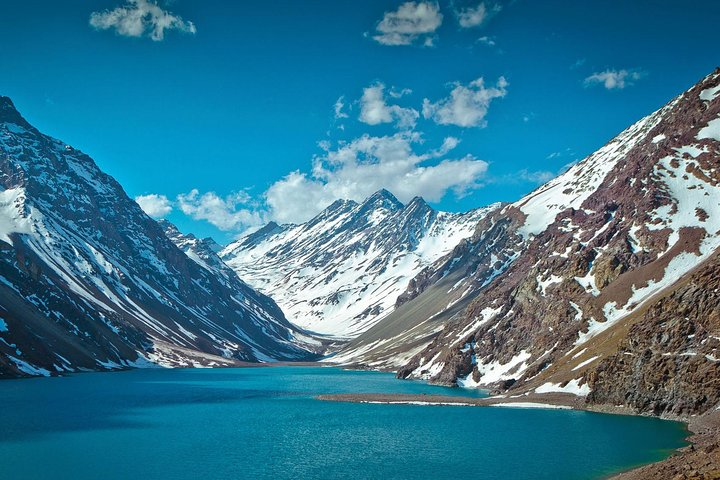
(342, 272)
(88, 281)
(552, 283)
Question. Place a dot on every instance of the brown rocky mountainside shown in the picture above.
(601, 283)
(668, 362)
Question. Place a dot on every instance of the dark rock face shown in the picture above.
(89, 282)
(558, 278)
(669, 363)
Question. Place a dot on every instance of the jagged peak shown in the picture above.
(417, 207)
(10, 114)
(210, 243)
(339, 204)
(257, 236)
(168, 226)
(268, 229)
(173, 232)
(418, 202)
(338, 207)
(383, 198)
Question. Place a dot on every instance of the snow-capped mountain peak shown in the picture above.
(342, 271)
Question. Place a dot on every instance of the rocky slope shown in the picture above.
(342, 272)
(598, 284)
(89, 282)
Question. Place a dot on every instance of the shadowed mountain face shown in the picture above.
(88, 281)
(597, 279)
(343, 271)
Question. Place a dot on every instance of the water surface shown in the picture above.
(263, 423)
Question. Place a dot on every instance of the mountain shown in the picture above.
(343, 271)
(89, 282)
(602, 283)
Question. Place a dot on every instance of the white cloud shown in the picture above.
(490, 42)
(411, 22)
(222, 212)
(614, 79)
(394, 93)
(157, 206)
(466, 106)
(357, 169)
(139, 18)
(475, 16)
(339, 108)
(374, 109)
(350, 170)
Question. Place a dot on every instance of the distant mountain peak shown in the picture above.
(383, 198)
(338, 205)
(418, 203)
(342, 271)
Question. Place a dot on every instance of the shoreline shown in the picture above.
(700, 459)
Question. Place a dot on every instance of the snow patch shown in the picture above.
(709, 94)
(531, 405)
(712, 130)
(586, 362)
(544, 284)
(25, 367)
(573, 387)
(12, 219)
(493, 372)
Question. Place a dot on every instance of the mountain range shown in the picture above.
(343, 271)
(602, 283)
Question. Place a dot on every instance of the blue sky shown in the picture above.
(228, 109)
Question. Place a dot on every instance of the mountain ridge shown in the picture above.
(558, 276)
(89, 282)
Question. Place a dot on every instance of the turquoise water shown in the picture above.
(263, 423)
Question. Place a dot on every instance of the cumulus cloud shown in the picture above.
(232, 212)
(357, 169)
(349, 170)
(412, 22)
(614, 79)
(375, 110)
(139, 18)
(156, 206)
(475, 16)
(467, 105)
